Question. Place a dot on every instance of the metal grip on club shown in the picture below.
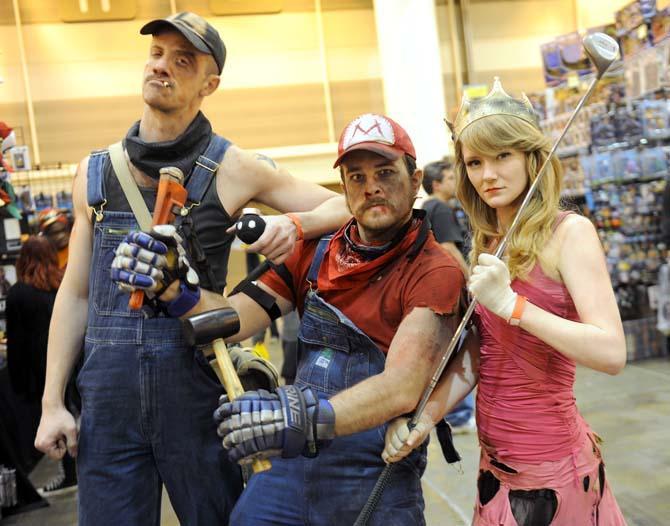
(250, 226)
(373, 499)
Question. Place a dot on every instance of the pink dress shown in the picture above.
(528, 422)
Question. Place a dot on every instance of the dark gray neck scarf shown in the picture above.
(181, 152)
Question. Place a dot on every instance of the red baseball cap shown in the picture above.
(375, 133)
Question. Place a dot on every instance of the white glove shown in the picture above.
(400, 442)
(490, 286)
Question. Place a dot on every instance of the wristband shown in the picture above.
(325, 423)
(187, 299)
(519, 306)
(298, 226)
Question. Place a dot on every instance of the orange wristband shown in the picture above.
(519, 306)
(298, 225)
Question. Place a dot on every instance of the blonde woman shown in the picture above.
(548, 308)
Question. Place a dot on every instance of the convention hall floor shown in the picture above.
(631, 411)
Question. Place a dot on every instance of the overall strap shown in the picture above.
(313, 272)
(95, 184)
(129, 186)
(205, 169)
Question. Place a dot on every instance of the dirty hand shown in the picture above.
(400, 441)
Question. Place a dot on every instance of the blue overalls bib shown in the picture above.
(147, 398)
(332, 488)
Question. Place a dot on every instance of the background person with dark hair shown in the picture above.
(439, 182)
(29, 306)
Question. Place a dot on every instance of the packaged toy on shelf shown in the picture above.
(655, 119)
(653, 162)
(626, 165)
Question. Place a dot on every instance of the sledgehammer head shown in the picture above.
(206, 327)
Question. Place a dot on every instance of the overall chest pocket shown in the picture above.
(105, 295)
(331, 356)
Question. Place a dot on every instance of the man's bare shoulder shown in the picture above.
(239, 163)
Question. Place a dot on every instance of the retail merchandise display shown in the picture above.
(616, 160)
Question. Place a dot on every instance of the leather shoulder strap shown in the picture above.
(129, 186)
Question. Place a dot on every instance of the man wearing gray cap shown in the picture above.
(147, 396)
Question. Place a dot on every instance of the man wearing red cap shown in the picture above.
(378, 299)
(147, 396)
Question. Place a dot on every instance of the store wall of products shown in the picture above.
(616, 159)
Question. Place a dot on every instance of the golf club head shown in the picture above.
(602, 49)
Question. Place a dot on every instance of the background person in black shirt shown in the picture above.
(449, 225)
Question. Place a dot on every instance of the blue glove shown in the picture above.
(152, 261)
(139, 263)
(289, 422)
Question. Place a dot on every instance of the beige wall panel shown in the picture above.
(351, 54)
(244, 7)
(256, 119)
(521, 18)
(42, 11)
(270, 117)
(515, 81)
(70, 129)
(592, 13)
(71, 10)
(508, 34)
(90, 60)
(353, 98)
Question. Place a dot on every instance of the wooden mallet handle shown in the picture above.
(233, 387)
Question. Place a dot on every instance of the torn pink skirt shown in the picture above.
(568, 492)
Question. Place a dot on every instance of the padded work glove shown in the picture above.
(490, 286)
(254, 371)
(151, 262)
(289, 422)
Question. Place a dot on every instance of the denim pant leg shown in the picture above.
(203, 485)
(275, 497)
(340, 480)
(118, 481)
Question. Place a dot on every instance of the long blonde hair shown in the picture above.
(489, 136)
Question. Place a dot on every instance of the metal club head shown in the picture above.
(602, 49)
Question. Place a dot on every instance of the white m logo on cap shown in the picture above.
(368, 128)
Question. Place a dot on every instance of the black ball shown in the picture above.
(250, 227)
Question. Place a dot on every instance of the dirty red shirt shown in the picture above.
(376, 295)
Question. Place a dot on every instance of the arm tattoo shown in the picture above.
(266, 159)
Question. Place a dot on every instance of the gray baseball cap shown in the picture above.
(196, 30)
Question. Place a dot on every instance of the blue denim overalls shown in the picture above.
(332, 488)
(147, 398)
